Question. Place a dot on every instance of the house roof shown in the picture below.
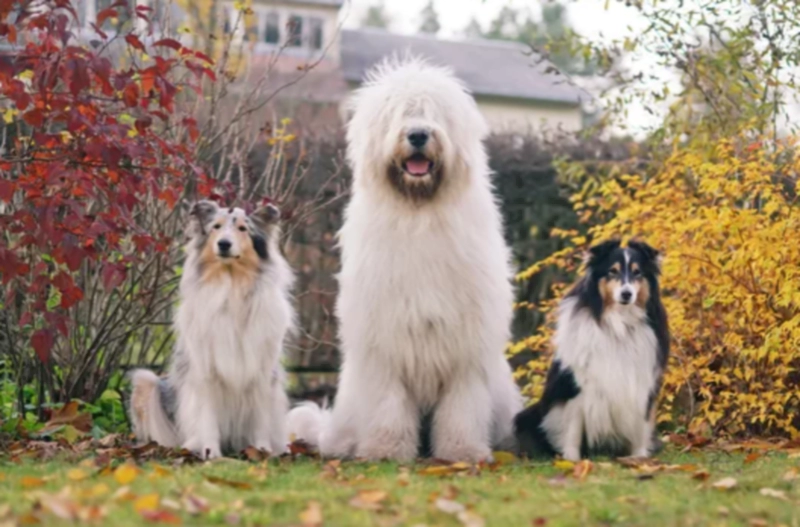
(489, 68)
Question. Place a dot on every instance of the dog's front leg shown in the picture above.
(462, 420)
(389, 421)
(197, 420)
(573, 433)
(268, 432)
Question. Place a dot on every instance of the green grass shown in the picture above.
(517, 493)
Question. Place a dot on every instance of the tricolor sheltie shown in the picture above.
(225, 386)
(611, 348)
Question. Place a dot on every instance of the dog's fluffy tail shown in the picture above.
(148, 416)
(305, 423)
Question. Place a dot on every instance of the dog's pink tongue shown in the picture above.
(418, 167)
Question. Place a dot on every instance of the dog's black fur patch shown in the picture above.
(560, 387)
(260, 245)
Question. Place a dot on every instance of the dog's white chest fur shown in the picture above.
(419, 291)
(234, 336)
(614, 364)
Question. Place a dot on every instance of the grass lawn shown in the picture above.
(708, 487)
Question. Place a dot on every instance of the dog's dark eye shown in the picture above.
(218, 226)
(636, 273)
(243, 228)
(613, 272)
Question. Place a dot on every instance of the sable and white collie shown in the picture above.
(611, 348)
(425, 300)
(225, 387)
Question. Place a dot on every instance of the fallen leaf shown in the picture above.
(582, 469)
(538, 522)
(758, 522)
(470, 519)
(312, 516)
(436, 470)
(161, 516)
(772, 493)
(254, 454)
(228, 483)
(195, 505)
(725, 484)
(451, 492)
(504, 458)
(31, 482)
(148, 502)
(126, 473)
(369, 499)
(77, 474)
(449, 506)
(160, 472)
(791, 474)
(124, 494)
(701, 475)
(68, 415)
(563, 464)
(751, 458)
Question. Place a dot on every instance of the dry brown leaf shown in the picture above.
(436, 470)
(773, 493)
(757, 522)
(228, 483)
(753, 456)
(369, 499)
(449, 506)
(450, 492)
(312, 516)
(791, 474)
(725, 484)
(195, 505)
(582, 469)
(161, 516)
(470, 519)
(701, 475)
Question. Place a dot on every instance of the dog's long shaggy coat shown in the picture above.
(225, 388)
(612, 346)
(425, 299)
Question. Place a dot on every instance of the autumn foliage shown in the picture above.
(724, 216)
(96, 158)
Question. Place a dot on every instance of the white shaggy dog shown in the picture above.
(225, 388)
(425, 297)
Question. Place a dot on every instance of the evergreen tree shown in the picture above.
(430, 20)
(376, 16)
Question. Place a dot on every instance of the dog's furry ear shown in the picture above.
(268, 215)
(200, 213)
(597, 252)
(651, 255)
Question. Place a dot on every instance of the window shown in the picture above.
(295, 28)
(315, 33)
(272, 31)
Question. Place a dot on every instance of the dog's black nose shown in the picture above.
(626, 296)
(418, 138)
(224, 246)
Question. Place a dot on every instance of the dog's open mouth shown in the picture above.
(418, 165)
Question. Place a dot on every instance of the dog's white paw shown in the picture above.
(467, 453)
(572, 455)
(206, 452)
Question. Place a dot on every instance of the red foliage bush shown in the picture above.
(93, 138)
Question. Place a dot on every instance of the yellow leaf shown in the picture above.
(125, 474)
(77, 474)
(30, 482)
(563, 464)
(148, 502)
(504, 458)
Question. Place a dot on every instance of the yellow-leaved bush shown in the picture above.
(724, 217)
